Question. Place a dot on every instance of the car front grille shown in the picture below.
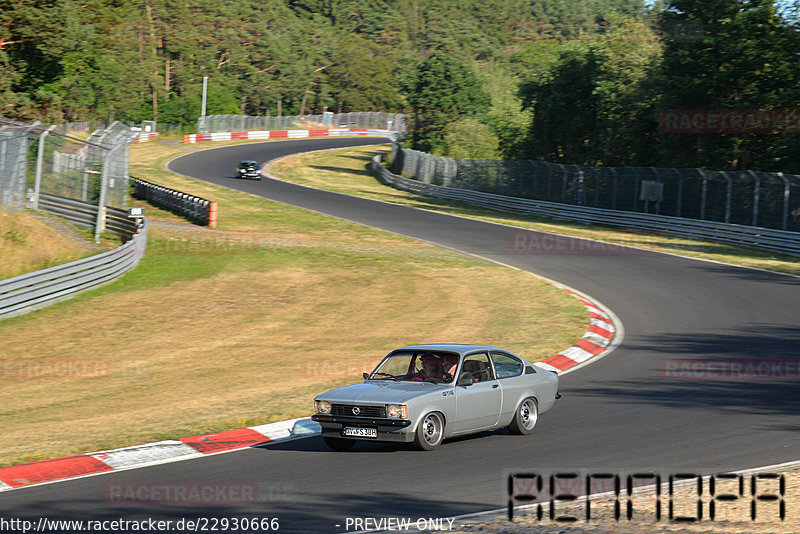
(363, 411)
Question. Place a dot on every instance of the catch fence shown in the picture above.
(764, 199)
(372, 120)
(37, 160)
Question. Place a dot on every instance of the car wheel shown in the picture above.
(339, 444)
(430, 432)
(525, 418)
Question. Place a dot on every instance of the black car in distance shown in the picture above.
(248, 169)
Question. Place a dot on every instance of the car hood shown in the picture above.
(383, 392)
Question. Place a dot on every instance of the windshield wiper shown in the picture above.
(387, 375)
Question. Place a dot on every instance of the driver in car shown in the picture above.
(435, 367)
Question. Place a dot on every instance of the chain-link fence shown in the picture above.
(373, 120)
(767, 199)
(13, 164)
(35, 159)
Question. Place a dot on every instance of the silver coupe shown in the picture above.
(427, 393)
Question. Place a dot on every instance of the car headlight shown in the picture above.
(322, 406)
(397, 411)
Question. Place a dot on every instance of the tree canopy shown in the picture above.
(576, 81)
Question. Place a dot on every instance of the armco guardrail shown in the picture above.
(196, 209)
(85, 214)
(764, 238)
(28, 292)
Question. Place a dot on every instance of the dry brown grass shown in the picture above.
(28, 243)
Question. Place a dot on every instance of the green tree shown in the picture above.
(742, 56)
(361, 79)
(470, 139)
(444, 91)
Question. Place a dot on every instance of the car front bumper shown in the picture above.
(397, 430)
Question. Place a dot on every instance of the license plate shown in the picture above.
(360, 432)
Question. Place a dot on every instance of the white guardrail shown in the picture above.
(28, 292)
(751, 236)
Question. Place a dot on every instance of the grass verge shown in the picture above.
(29, 243)
(243, 325)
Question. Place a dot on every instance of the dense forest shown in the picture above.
(571, 81)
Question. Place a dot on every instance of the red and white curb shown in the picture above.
(283, 134)
(18, 476)
(145, 137)
(601, 337)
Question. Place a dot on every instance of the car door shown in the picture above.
(478, 406)
(509, 371)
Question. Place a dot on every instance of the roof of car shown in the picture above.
(451, 347)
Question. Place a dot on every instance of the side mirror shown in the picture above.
(466, 379)
(365, 375)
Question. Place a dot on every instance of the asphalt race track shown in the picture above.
(620, 415)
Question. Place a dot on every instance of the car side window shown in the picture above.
(506, 366)
(479, 366)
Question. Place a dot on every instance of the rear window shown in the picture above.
(506, 365)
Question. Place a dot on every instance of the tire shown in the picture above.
(525, 417)
(430, 432)
(339, 444)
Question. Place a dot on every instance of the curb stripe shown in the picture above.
(601, 331)
(576, 354)
(225, 441)
(560, 362)
(143, 454)
(597, 339)
(46, 470)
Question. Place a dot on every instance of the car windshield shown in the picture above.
(417, 366)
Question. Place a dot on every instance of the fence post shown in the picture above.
(100, 224)
(679, 202)
(728, 197)
(786, 195)
(756, 196)
(615, 190)
(703, 195)
(39, 160)
(661, 195)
